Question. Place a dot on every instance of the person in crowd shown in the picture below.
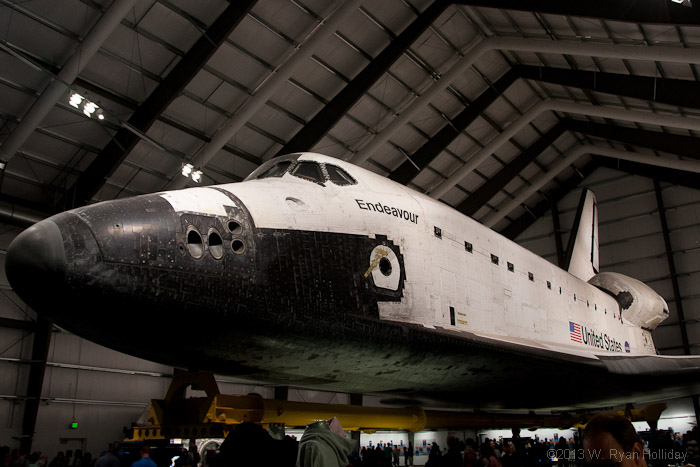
(692, 449)
(435, 456)
(111, 457)
(59, 460)
(510, 455)
(610, 439)
(388, 455)
(20, 460)
(470, 458)
(324, 444)
(562, 451)
(488, 456)
(33, 459)
(408, 454)
(5, 456)
(453, 456)
(145, 460)
(78, 458)
(395, 454)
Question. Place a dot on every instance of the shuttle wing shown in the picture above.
(651, 364)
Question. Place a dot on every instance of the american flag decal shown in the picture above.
(575, 332)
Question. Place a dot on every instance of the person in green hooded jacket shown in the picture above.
(322, 446)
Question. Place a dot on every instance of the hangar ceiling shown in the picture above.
(502, 109)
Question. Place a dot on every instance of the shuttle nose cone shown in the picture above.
(36, 262)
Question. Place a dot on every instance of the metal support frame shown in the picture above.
(681, 145)
(568, 159)
(407, 171)
(22, 324)
(40, 352)
(677, 92)
(519, 225)
(558, 106)
(487, 190)
(676, 177)
(104, 27)
(635, 11)
(662, 90)
(118, 148)
(265, 91)
(324, 120)
(282, 393)
(674, 282)
(666, 54)
(556, 225)
(671, 266)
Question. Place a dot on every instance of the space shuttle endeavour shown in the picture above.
(316, 273)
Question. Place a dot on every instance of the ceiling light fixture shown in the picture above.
(75, 100)
(89, 108)
(189, 171)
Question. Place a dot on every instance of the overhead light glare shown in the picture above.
(100, 116)
(89, 108)
(187, 170)
(75, 100)
(197, 176)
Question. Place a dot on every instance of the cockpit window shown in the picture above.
(276, 170)
(308, 171)
(339, 176)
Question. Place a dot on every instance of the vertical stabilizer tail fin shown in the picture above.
(582, 253)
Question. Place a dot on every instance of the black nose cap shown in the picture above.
(36, 261)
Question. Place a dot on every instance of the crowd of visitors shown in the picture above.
(658, 447)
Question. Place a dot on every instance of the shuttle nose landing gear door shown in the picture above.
(385, 270)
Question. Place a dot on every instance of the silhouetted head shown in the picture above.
(611, 439)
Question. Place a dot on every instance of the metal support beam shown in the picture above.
(486, 191)
(118, 148)
(519, 225)
(40, 352)
(60, 84)
(282, 393)
(635, 11)
(676, 92)
(560, 106)
(266, 90)
(676, 177)
(556, 225)
(22, 324)
(318, 126)
(674, 282)
(356, 399)
(666, 54)
(491, 219)
(407, 171)
(671, 266)
(682, 145)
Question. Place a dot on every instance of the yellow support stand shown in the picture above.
(213, 415)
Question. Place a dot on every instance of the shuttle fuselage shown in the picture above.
(316, 273)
